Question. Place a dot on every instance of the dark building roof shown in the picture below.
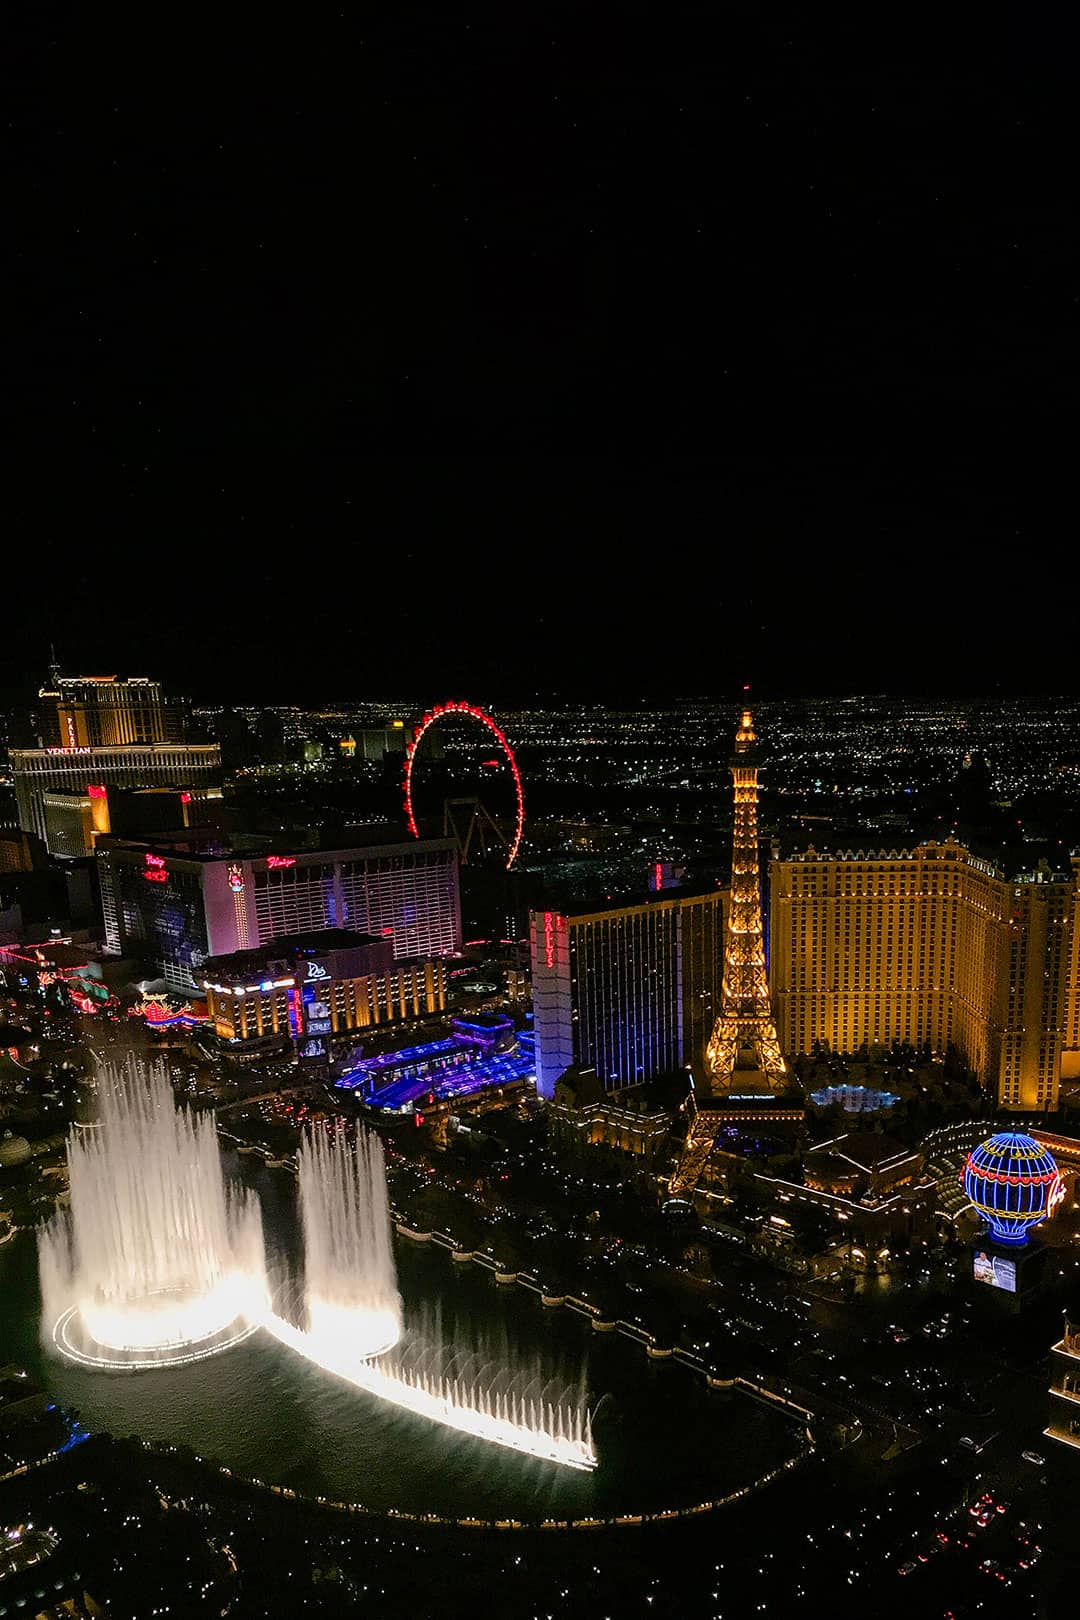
(16, 1385)
(316, 942)
(620, 902)
(868, 1151)
(57, 955)
(204, 843)
(577, 1086)
(484, 1020)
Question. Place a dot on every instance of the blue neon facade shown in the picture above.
(452, 1067)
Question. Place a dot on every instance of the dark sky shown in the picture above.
(616, 349)
(568, 578)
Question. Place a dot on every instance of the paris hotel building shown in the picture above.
(931, 944)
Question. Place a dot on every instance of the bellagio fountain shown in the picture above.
(159, 1262)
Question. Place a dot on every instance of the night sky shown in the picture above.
(626, 351)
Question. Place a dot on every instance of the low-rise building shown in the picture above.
(88, 977)
(482, 1053)
(876, 1190)
(317, 986)
(1064, 1424)
(866, 1163)
(21, 1399)
(583, 1115)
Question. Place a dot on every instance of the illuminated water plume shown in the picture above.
(473, 1398)
(156, 1259)
(158, 1263)
(352, 1310)
(350, 1279)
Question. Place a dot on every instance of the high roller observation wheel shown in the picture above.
(433, 716)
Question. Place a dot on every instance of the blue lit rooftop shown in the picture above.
(446, 1068)
(855, 1099)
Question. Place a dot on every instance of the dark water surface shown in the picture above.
(663, 1439)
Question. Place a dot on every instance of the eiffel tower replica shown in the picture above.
(746, 1075)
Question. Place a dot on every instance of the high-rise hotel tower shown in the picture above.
(931, 944)
(95, 732)
(629, 988)
(105, 711)
(177, 900)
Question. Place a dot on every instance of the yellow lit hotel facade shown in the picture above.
(326, 983)
(931, 944)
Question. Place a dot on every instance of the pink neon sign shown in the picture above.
(276, 861)
(155, 860)
(549, 939)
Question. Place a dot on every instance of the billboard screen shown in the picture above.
(316, 1015)
(995, 1269)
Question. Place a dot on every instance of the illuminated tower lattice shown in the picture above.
(743, 1054)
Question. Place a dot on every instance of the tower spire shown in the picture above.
(746, 1021)
(743, 1055)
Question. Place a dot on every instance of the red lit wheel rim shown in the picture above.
(433, 716)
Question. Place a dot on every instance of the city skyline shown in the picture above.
(539, 815)
(596, 1154)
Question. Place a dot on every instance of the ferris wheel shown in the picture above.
(465, 817)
